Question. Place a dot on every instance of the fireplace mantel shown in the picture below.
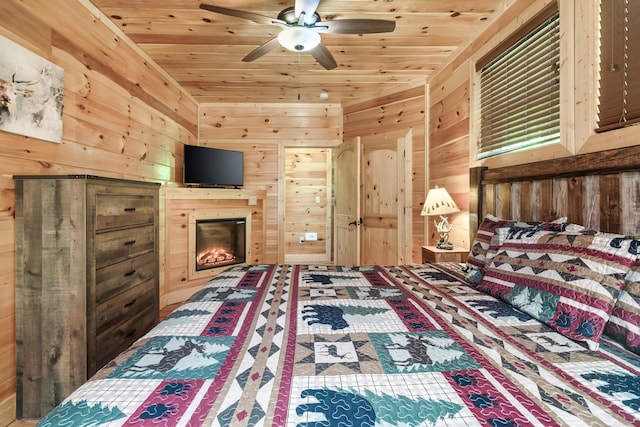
(195, 193)
(182, 206)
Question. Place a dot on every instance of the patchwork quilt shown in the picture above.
(311, 346)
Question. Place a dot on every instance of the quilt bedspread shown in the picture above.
(307, 346)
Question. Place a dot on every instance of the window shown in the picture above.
(619, 97)
(520, 88)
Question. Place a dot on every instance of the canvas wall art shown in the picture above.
(31, 93)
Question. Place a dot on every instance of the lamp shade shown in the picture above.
(439, 202)
(299, 39)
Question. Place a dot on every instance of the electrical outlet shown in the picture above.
(311, 236)
(253, 200)
(301, 239)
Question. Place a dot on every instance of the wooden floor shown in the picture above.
(30, 423)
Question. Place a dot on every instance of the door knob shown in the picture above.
(356, 222)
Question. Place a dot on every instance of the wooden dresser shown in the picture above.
(86, 280)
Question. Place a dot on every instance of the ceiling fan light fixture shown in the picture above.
(298, 39)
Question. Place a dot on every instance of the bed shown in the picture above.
(497, 341)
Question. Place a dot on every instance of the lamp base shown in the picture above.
(444, 245)
(444, 228)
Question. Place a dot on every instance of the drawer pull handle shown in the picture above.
(130, 303)
(130, 333)
(129, 273)
(129, 209)
(129, 243)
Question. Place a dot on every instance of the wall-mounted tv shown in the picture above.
(213, 167)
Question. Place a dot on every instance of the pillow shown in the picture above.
(491, 233)
(503, 233)
(624, 323)
(486, 230)
(476, 260)
(567, 280)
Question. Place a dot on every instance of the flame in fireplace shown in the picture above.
(214, 257)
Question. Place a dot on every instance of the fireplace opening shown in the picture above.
(220, 242)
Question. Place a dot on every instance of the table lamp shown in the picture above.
(439, 202)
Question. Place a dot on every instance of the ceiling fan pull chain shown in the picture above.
(298, 76)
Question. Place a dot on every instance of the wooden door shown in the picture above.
(347, 203)
(307, 211)
(386, 200)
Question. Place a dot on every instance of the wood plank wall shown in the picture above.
(262, 131)
(448, 152)
(450, 120)
(395, 115)
(122, 118)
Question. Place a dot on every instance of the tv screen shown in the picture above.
(213, 167)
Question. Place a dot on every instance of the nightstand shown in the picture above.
(433, 254)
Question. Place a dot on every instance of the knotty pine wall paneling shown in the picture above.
(395, 115)
(448, 155)
(123, 118)
(450, 119)
(262, 131)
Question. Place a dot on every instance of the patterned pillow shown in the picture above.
(503, 233)
(477, 254)
(624, 323)
(568, 280)
(491, 233)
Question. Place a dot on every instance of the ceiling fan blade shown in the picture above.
(355, 26)
(323, 56)
(308, 7)
(255, 17)
(261, 50)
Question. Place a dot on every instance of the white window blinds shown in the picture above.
(619, 97)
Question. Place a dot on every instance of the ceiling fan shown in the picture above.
(301, 27)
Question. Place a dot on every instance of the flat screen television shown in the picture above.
(213, 167)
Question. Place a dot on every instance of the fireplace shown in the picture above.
(220, 242)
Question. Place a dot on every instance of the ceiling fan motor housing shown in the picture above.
(288, 15)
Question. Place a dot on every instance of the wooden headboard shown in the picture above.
(598, 190)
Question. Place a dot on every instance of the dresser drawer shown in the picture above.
(115, 246)
(114, 340)
(123, 210)
(120, 277)
(124, 306)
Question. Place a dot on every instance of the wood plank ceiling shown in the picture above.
(203, 50)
